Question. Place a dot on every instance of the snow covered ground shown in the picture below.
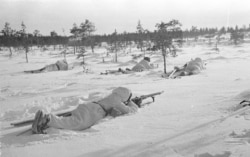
(191, 118)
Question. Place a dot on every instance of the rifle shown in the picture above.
(30, 121)
(244, 105)
(136, 100)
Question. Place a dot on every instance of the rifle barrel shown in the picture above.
(151, 95)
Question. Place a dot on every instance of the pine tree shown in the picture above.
(114, 44)
(36, 35)
(165, 34)
(87, 28)
(82, 54)
(140, 32)
(236, 37)
(8, 33)
(53, 36)
(25, 40)
(76, 32)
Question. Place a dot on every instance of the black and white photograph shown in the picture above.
(124, 78)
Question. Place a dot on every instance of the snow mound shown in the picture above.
(218, 58)
(245, 95)
(49, 104)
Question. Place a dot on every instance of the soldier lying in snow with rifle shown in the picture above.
(118, 103)
(60, 65)
(190, 68)
(139, 67)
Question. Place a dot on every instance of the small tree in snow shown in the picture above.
(164, 36)
(53, 36)
(8, 33)
(82, 54)
(36, 35)
(140, 31)
(76, 33)
(115, 45)
(236, 37)
(87, 28)
(25, 40)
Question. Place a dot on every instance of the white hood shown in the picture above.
(116, 99)
(122, 93)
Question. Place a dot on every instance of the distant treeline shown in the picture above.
(166, 37)
(9, 37)
(16, 41)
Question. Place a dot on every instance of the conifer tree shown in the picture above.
(140, 32)
(164, 36)
(8, 33)
(25, 40)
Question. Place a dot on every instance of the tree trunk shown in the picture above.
(64, 54)
(26, 53)
(163, 49)
(116, 49)
(74, 48)
(10, 52)
(164, 59)
(116, 56)
(92, 48)
(235, 41)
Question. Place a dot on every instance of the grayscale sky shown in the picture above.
(122, 15)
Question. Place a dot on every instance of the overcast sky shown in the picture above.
(122, 15)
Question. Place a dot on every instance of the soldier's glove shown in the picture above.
(114, 112)
(137, 101)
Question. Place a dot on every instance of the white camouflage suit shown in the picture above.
(86, 115)
(141, 66)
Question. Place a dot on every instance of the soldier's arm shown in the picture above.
(132, 107)
(129, 108)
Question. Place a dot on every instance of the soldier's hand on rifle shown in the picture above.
(137, 101)
(114, 112)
